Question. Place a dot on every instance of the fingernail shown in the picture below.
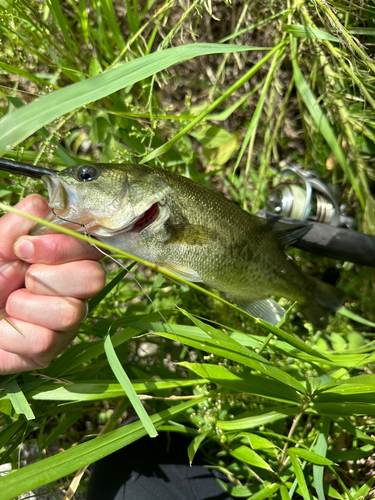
(23, 249)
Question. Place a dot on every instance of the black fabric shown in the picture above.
(154, 469)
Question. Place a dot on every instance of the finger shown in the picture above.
(54, 249)
(55, 313)
(81, 280)
(14, 363)
(25, 346)
(14, 226)
(12, 277)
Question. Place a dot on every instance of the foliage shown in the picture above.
(274, 408)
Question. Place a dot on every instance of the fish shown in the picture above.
(192, 231)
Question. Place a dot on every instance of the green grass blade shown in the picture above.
(9, 431)
(311, 456)
(246, 383)
(57, 12)
(364, 490)
(113, 25)
(195, 444)
(95, 301)
(212, 340)
(18, 400)
(124, 380)
(297, 469)
(93, 390)
(82, 10)
(284, 492)
(321, 448)
(302, 346)
(257, 25)
(322, 123)
(50, 469)
(245, 454)
(25, 74)
(258, 110)
(24, 122)
(300, 31)
(362, 31)
(355, 317)
(256, 419)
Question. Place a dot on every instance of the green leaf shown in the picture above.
(9, 431)
(297, 469)
(99, 130)
(362, 31)
(212, 340)
(338, 342)
(310, 456)
(361, 384)
(246, 383)
(356, 317)
(245, 454)
(211, 136)
(255, 441)
(243, 491)
(321, 449)
(93, 390)
(95, 301)
(18, 400)
(256, 419)
(342, 409)
(95, 68)
(302, 346)
(6, 408)
(364, 490)
(300, 31)
(24, 122)
(124, 380)
(195, 444)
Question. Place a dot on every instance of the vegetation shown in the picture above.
(275, 408)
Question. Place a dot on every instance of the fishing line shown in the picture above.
(88, 235)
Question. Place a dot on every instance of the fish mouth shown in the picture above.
(59, 197)
(146, 219)
(64, 200)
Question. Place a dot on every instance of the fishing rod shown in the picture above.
(306, 203)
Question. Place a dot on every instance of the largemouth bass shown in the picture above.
(190, 230)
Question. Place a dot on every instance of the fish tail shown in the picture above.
(325, 299)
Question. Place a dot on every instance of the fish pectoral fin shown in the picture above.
(188, 234)
(183, 272)
(267, 309)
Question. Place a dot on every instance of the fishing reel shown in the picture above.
(307, 198)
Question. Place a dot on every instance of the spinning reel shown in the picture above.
(309, 199)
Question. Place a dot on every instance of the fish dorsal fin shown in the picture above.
(267, 309)
(288, 233)
(188, 234)
(183, 272)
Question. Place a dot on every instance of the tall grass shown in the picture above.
(275, 408)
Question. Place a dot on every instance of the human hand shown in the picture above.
(44, 281)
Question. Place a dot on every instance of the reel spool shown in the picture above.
(311, 201)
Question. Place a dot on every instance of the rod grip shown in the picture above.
(335, 242)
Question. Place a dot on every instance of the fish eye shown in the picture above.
(87, 173)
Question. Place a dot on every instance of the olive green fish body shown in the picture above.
(191, 230)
